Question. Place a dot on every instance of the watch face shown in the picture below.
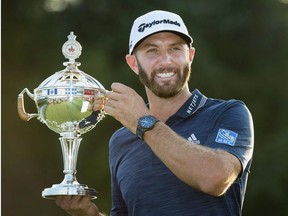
(147, 121)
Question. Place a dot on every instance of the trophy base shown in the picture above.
(68, 189)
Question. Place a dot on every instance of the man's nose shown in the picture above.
(165, 58)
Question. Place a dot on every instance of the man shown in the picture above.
(183, 154)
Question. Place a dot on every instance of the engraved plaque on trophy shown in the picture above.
(64, 102)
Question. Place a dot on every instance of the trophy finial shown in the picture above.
(71, 49)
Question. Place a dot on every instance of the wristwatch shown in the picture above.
(145, 123)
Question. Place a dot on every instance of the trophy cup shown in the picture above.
(64, 102)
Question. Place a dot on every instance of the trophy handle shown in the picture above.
(20, 106)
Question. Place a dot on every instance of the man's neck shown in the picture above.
(163, 108)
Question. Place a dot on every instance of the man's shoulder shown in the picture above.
(123, 131)
(222, 105)
(122, 135)
(214, 105)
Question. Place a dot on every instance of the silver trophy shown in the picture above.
(65, 104)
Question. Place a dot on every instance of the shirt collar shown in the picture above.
(195, 102)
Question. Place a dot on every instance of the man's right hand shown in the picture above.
(78, 205)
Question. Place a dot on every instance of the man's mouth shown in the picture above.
(165, 75)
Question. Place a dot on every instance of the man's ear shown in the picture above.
(191, 54)
(132, 62)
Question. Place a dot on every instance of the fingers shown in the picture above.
(114, 95)
(118, 87)
(117, 90)
(77, 205)
(68, 202)
(116, 99)
(98, 104)
(119, 103)
(72, 203)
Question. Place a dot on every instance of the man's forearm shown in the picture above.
(209, 170)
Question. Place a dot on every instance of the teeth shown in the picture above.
(165, 75)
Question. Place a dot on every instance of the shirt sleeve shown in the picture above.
(119, 207)
(232, 130)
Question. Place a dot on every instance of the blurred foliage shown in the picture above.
(241, 52)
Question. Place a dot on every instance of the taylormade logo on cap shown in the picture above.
(157, 21)
(142, 27)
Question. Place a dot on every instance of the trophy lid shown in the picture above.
(71, 75)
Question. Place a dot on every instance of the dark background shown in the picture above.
(241, 52)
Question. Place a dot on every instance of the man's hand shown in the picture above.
(78, 205)
(125, 105)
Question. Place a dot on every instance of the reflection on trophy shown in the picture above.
(64, 102)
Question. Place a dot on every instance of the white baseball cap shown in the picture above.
(157, 21)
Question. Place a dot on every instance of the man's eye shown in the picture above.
(175, 49)
(152, 51)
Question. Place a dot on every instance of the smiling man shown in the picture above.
(183, 154)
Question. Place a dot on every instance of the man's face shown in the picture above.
(163, 64)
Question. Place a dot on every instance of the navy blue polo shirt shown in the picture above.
(143, 186)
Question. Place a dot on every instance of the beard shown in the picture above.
(167, 90)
